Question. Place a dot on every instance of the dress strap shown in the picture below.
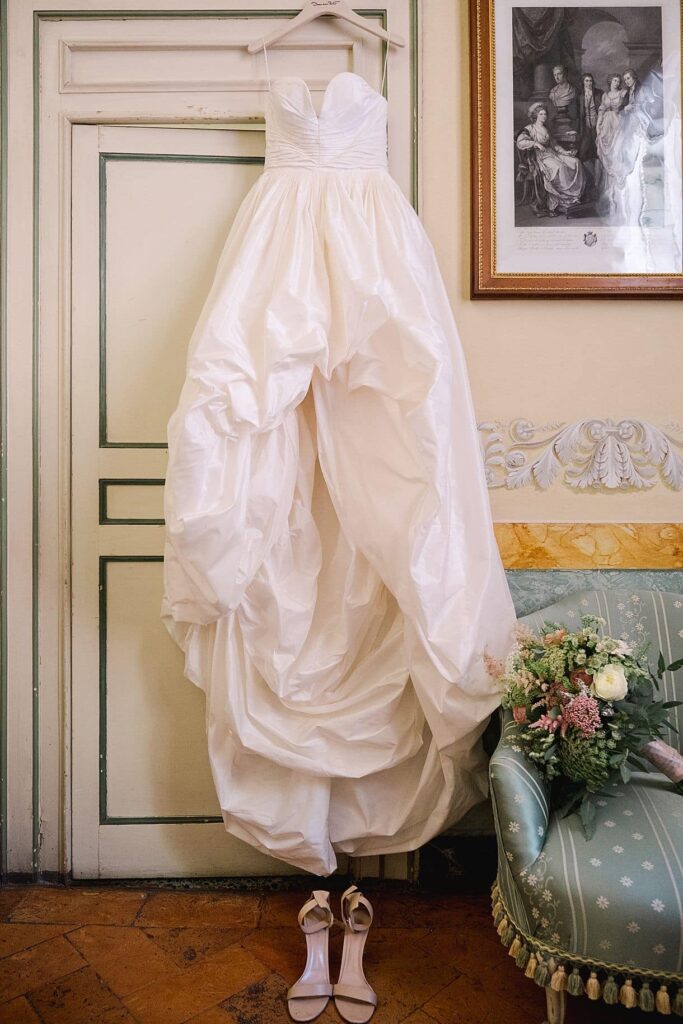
(265, 57)
(384, 73)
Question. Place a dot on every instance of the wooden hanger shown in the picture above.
(313, 9)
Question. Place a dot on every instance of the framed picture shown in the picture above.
(576, 148)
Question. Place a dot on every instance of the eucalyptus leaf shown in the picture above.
(588, 816)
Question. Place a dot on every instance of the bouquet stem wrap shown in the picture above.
(665, 759)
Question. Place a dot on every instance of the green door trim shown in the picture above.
(104, 159)
(107, 482)
(3, 440)
(105, 817)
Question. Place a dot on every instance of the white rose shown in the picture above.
(610, 683)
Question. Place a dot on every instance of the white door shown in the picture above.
(151, 208)
(148, 133)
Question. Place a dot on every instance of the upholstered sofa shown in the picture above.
(599, 918)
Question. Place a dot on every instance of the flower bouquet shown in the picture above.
(585, 710)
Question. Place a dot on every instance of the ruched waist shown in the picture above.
(271, 165)
(349, 160)
(326, 150)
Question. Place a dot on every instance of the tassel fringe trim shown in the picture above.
(610, 983)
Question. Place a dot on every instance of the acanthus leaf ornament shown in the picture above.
(593, 454)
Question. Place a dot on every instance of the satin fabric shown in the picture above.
(330, 566)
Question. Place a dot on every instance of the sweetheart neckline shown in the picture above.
(309, 98)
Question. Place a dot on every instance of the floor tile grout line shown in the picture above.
(34, 945)
(87, 963)
(71, 926)
(143, 904)
(188, 1020)
(27, 997)
(118, 999)
(102, 981)
(54, 981)
(121, 998)
(459, 974)
(263, 898)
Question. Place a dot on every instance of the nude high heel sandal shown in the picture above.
(353, 996)
(308, 997)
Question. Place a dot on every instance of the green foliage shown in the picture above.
(581, 742)
(585, 760)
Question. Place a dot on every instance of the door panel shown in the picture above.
(151, 209)
(153, 766)
(172, 212)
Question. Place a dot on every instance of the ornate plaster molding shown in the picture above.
(591, 454)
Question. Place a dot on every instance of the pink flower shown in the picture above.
(519, 715)
(583, 713)
(547, 723)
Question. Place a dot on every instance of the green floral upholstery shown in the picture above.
(613, 904)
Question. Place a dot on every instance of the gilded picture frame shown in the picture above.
(576, 148)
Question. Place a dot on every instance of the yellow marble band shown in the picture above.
(591, 545)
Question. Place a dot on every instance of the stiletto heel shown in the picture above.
(308, 997)
(354, 998)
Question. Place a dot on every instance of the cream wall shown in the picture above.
(547, 359)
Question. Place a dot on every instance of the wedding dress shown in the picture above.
(331, 572)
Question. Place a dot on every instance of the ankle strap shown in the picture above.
(318, 907)
(351, 900)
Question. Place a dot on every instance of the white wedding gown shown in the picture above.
(331, 571)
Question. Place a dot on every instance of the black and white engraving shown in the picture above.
(588, 100)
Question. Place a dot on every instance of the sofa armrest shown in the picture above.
(520, 797)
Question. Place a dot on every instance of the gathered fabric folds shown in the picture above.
(331, 571)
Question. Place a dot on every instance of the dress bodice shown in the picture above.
(614, 101)
(349, 133)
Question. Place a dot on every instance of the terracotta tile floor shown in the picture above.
(120, 956)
